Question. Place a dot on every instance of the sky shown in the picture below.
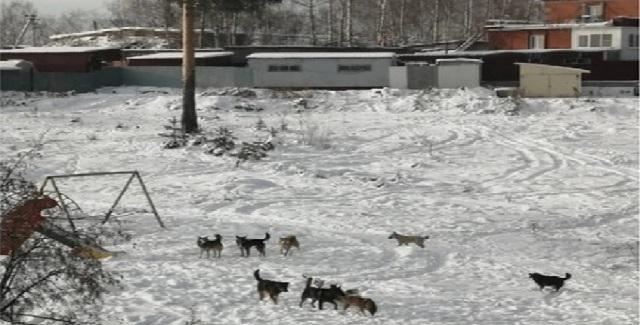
(56, 7)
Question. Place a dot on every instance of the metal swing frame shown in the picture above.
(132, 175)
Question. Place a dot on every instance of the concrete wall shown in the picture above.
(17, 80)
(398, 78)
(172, 76)
(459, 75)
(321, 73)
(629, 53)
(76, 81)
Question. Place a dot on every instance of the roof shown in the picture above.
(57, 49)
(553, 67)
(178, 55)
(458, 61)
(495, 52)
(10, 65)
(321, 55)
(509, 27)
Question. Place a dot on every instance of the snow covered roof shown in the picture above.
(58, 49)
(551, 67)
(178, 55)
(507, 27)
(489, 52)
(458, 61)
(321, 55)
(10, 65)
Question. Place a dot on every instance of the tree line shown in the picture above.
(286, 22)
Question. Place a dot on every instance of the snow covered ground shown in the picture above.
(553, 189)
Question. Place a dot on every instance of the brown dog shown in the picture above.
(362, 304)
(286, 243)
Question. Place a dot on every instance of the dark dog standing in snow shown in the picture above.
(330, 295)
(549, 280)
(270, 288)
(207, 246)
(246, 244)
(406, 240)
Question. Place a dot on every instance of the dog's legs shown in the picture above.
(261, 295)
(274, 298)
(320, 304)
(200, 253)
(346, 305)
(313, 302)
(335, 306)
(302, 301)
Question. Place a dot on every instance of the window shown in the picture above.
(594, 12)
(595, 40)
(633, 40)
(354, 68)
(284, 68)
(583, 41)
(606, 40)
(536, 41)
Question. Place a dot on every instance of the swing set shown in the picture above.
(23, 220)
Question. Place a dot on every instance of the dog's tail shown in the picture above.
(567, 276)
(256, 275)
(372, 307)
(267, 236)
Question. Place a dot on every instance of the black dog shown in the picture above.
(270, 288)
(245, 244)
(322, 295)
(549, 280)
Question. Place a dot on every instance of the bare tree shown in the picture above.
(41, 282)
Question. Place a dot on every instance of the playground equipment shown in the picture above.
(22, 221)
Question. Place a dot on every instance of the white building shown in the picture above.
(321, 69)
(607, 36)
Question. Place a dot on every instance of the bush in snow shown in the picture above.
(177, 137)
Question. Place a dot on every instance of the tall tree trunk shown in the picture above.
(403, 5)
(349, 23)
(380, 38)
(330, 23)
(189, 119)
(203, 13)
(312, 21)
(436, 22)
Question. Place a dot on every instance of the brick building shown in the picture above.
(574, 24)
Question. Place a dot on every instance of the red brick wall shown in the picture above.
(563, 11)
(519, 39)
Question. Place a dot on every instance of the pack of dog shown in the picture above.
(288, 242)
(361, 303)
(207, 246)
(330, 295)
(406, 240)
(549, 280)
(269, 287)
(245, 244)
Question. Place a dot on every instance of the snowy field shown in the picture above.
(553, 190)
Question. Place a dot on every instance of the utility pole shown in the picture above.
(189, 119)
